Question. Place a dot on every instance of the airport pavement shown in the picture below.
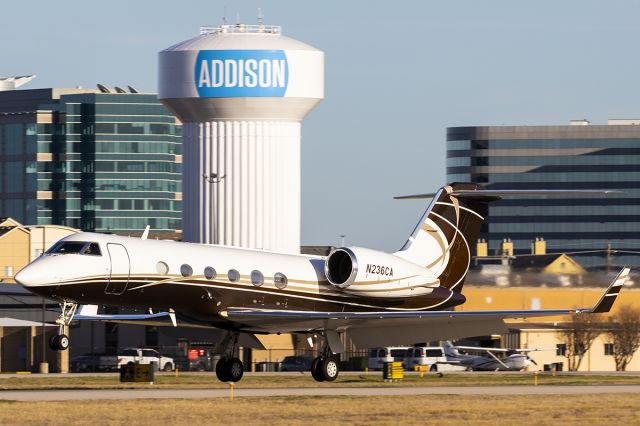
(239, 392)
(25, 375)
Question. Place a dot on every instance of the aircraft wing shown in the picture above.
(501, 350)
(372, 329)
(90, 313)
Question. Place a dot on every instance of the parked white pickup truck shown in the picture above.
(145, 356)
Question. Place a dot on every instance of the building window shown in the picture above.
(186, 270)
(280, 280)
(561, 349)
(162, 268)
(233, 275)
(257, 278)
(608, 348)
(209, 273)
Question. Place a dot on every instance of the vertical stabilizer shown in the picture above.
(444, 236)
(449, 349)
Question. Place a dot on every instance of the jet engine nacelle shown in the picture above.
(372, 273)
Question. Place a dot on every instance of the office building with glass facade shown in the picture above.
(580, 156)
(105, 162)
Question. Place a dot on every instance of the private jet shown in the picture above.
(379, 298)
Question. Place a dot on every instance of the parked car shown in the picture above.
(145, 356)
(93, 362)
(431, 356)
(378, 356)
(296, 363)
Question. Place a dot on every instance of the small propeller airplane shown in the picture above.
(378, 298)
(513, 359)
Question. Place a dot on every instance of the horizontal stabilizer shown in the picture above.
(505, 193)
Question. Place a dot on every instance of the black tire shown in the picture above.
(63, 342)
(130, 363)
(330, 368)
(316, 371)
(235, 370)
(167, 367)
(221, 370)
(434, 368)
(53, 342)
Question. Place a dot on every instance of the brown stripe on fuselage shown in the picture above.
(200, 298)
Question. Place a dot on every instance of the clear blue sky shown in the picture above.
(397, 74)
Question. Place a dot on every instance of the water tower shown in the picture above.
(241, 92)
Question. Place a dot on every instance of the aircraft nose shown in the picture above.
(25, 277)
(30, 276)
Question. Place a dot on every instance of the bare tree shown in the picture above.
(624, 332)
(579, 334)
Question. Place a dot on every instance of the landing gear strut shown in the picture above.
(60, 342)
(326, 367)
(229, 368)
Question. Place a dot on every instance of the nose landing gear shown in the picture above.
(60, 342)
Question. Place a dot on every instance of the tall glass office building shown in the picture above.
(580, 156)
(106, 162)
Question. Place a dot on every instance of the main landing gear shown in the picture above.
(229, 368)
(60, 342)
(326, 367)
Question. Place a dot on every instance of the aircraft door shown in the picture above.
(119, 269)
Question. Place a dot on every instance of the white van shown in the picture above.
(378, 356)
(432, 356)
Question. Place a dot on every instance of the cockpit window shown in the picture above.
(75, 247)
(92, 249)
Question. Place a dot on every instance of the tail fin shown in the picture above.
(442, 240)
(449, 349)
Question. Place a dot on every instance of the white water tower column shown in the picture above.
(242, 92)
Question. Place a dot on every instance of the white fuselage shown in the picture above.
(139, 270)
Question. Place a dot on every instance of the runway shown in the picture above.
(239, 392)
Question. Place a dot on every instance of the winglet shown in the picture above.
(606, 300)
(172, 315)
(145, 234)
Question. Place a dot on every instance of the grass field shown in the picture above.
(437, 409)
(209, 381)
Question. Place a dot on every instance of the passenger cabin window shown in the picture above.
(233, 275)
(257, 278)
(280, 280)
(76, 247)
(209, 273)
(162, 268)
(186, 270)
